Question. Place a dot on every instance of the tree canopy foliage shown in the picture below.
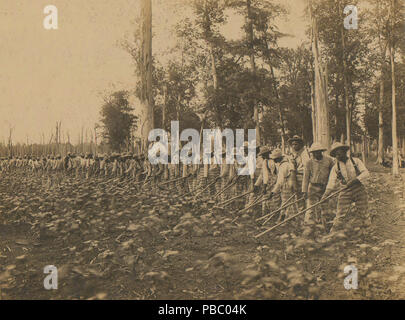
(225, 81)
(118, 120)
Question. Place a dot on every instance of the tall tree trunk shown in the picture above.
(313, 116)
(57, 137)
(95, 140)
(164, 109)
(380, 152)
(146, 98)
(395, 167)
(178, 106)
(383, 51)
(335, 120)
(280, 110)
(403, 146)
(363, 148)
(213, 67)
(395, 170)
(321, 96)
(345, 84)
(81, 140)
(209, 40)
(10, 142)
(250, 38)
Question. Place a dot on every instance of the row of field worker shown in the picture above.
(304, 176)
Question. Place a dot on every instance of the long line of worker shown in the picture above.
(305, 175)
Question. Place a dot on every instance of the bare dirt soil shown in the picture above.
(110, 241)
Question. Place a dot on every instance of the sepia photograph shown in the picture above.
(202, 150)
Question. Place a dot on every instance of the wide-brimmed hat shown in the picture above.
(264, 150)
(295, 138)
(336, 146)
(277, 153)
(316, 146)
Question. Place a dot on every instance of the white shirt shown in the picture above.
(284, 170)
(301, 158)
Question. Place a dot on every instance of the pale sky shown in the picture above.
(58, 75)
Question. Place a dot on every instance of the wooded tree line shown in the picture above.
(253, 82)
(339, 84)
(57, 142)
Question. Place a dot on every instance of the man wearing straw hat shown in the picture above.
(224, 174)
(232, 176)
(156, 172)
(247, 170)
(350, 173)
(264, 154)
(298, 157)
(256, 168)
(283, 185)
(316, 175)
(265, 176)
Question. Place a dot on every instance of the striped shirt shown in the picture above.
(317, 172)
